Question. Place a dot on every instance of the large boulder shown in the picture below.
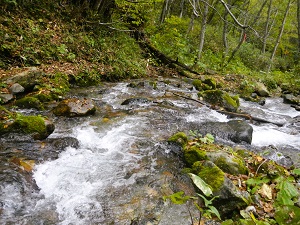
(230, 198)
(238, 131)
(37, 127)
(75, 107)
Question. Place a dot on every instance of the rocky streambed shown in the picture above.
(110, 160)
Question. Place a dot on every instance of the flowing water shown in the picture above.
(123, 164)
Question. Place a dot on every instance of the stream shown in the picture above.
(122, 164)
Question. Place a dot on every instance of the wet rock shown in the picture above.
(238, 131)
(221, 99)
(291, 99)
(16, 88)
(75, 107)
(62, 143)
(35, 126)
(136, 101)
(262, 90)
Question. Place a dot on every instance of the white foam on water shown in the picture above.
(269, 135)
(205, 114)
(74, 181)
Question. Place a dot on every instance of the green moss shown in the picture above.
(194, 154)
(213, 176)
(179, 138)
(29, 102)
(233, 165)
(221, 99)
(30, 124)
(197, 84)
(211, 83)
(197, 167)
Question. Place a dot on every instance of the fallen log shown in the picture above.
(233, 114)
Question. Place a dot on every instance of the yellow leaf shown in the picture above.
(27, 165)
(265, 191)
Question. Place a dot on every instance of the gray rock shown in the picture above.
(75, 107)
(237, 131)
(262, 90)
(136, 101)
(291, 99)
(230, 198)
(16, 88)
(5, 98)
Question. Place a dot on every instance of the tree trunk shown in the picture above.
(191, 24)
(203, 29)
(279, 35)
(181, 8)
(298, 18)
(165, 10)
(267, 30)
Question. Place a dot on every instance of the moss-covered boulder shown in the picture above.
(75, 107)
(29, 103)
(228, 162)
(193, 154)
(212, 175)
(36, 126)
(179, 138)
(221, 99)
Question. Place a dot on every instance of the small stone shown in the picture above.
(16, 88)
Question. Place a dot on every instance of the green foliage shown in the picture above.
(177, 198)
(204, 187)
(207, 209)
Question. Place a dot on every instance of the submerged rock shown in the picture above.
(136, 101)
(75, 107)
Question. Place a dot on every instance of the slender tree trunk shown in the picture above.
(266, 33)
(298, 17)
(165, 11)
(242, 40)
(259, 13)
(181, 8)
(191, 24)
(203, 28)
(279, 35)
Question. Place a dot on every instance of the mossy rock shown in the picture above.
(179, 138)
(197, 84)
(36, 126)
(75, 107)
(29, 103)
(229, 163)
(212, 83)
(212, 175)
(221, 99)
(207, 84)
(194, 154)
